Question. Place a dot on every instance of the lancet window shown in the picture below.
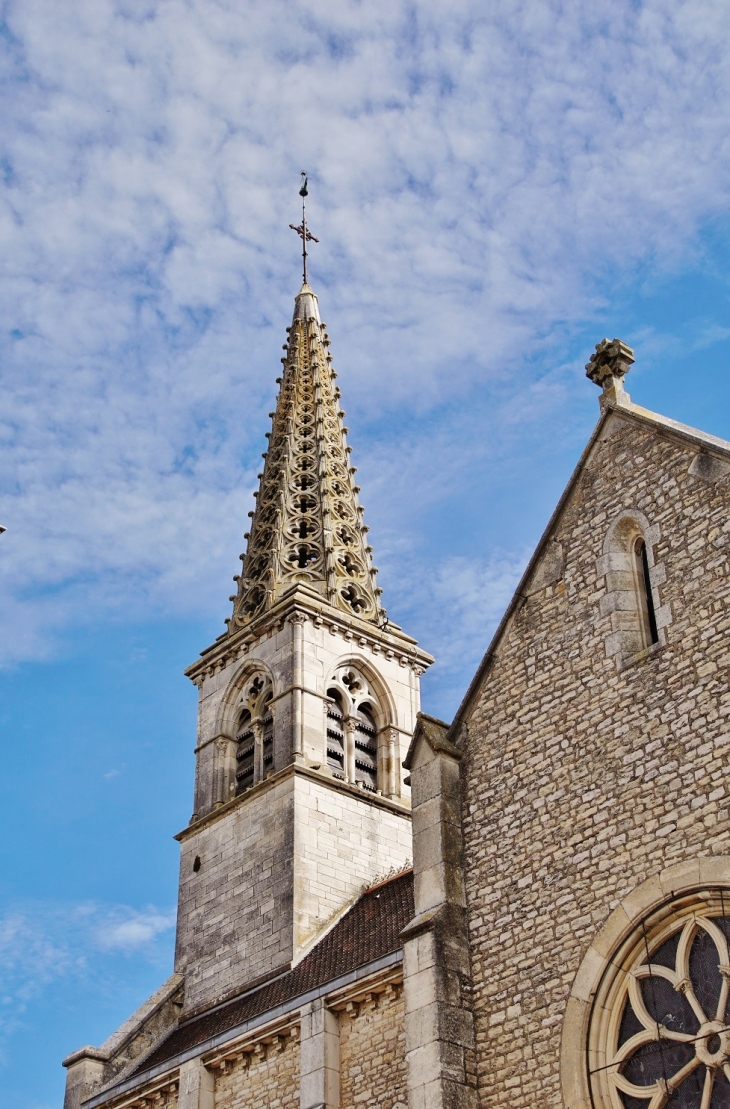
(244, 752)
(366, 749)
(632, 576)
(335, 734)
(267, 739)
(644, 597)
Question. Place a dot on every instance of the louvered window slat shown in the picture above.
(244, 754)
(335, 738)
(366, 750)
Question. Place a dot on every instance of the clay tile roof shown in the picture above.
(368, 931)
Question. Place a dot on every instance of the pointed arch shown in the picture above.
(386, 711)
(632, 578)
(229, 706)
(245, 725)
(361, 741)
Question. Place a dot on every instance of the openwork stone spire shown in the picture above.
(307, 529)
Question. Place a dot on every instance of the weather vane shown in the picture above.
(305, 235)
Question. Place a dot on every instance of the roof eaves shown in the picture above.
(291, 1005)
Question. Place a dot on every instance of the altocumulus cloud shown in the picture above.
(479, 176)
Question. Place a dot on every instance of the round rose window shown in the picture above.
(660, 1031)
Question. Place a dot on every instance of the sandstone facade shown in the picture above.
(593, 751)
(372, 1052)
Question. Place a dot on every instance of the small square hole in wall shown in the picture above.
(196, 864)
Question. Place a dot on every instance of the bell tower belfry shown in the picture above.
(307, 705)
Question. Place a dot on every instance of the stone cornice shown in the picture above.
(350, 987)
(304, 602)
(283, 775)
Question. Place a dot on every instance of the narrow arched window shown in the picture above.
(335, 734)
(244, 752)
(366, 749)
(643, 589)
(267, 736)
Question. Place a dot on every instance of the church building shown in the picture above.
(528, 906)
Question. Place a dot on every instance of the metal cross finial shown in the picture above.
(306, 236)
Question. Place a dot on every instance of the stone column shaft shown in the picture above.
(197, 1086)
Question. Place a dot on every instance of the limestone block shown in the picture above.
(84, 1074)
(320, 1057)
(197, 1086)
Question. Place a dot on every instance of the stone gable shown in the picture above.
(591, 760)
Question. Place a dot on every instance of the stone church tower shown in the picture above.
(307, 705)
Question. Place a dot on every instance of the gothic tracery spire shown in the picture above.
(307, 528)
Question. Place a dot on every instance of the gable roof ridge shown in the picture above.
(626, 408)
(685, 431)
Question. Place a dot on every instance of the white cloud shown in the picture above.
(456, 612)
(42, 942)
(127, 930)
(479, 178)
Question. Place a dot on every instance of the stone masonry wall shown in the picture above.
(582, 780)
(235, 912)
(268, 1079)
(342, 842)
(275, 869)
(372, 1054)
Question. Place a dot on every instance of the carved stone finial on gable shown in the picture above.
(609, 363)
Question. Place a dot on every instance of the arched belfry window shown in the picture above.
(244, 752)
(360, 742)
(254, 733)
(335, 734)
(267, 736)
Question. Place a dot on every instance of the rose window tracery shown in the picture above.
(664, 1036)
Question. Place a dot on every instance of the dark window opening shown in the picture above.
(268, 741)
(335, 735)
(305, 556)
(244, 753)
(646, 600)
(366, 749)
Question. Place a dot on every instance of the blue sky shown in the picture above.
(495, 187)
